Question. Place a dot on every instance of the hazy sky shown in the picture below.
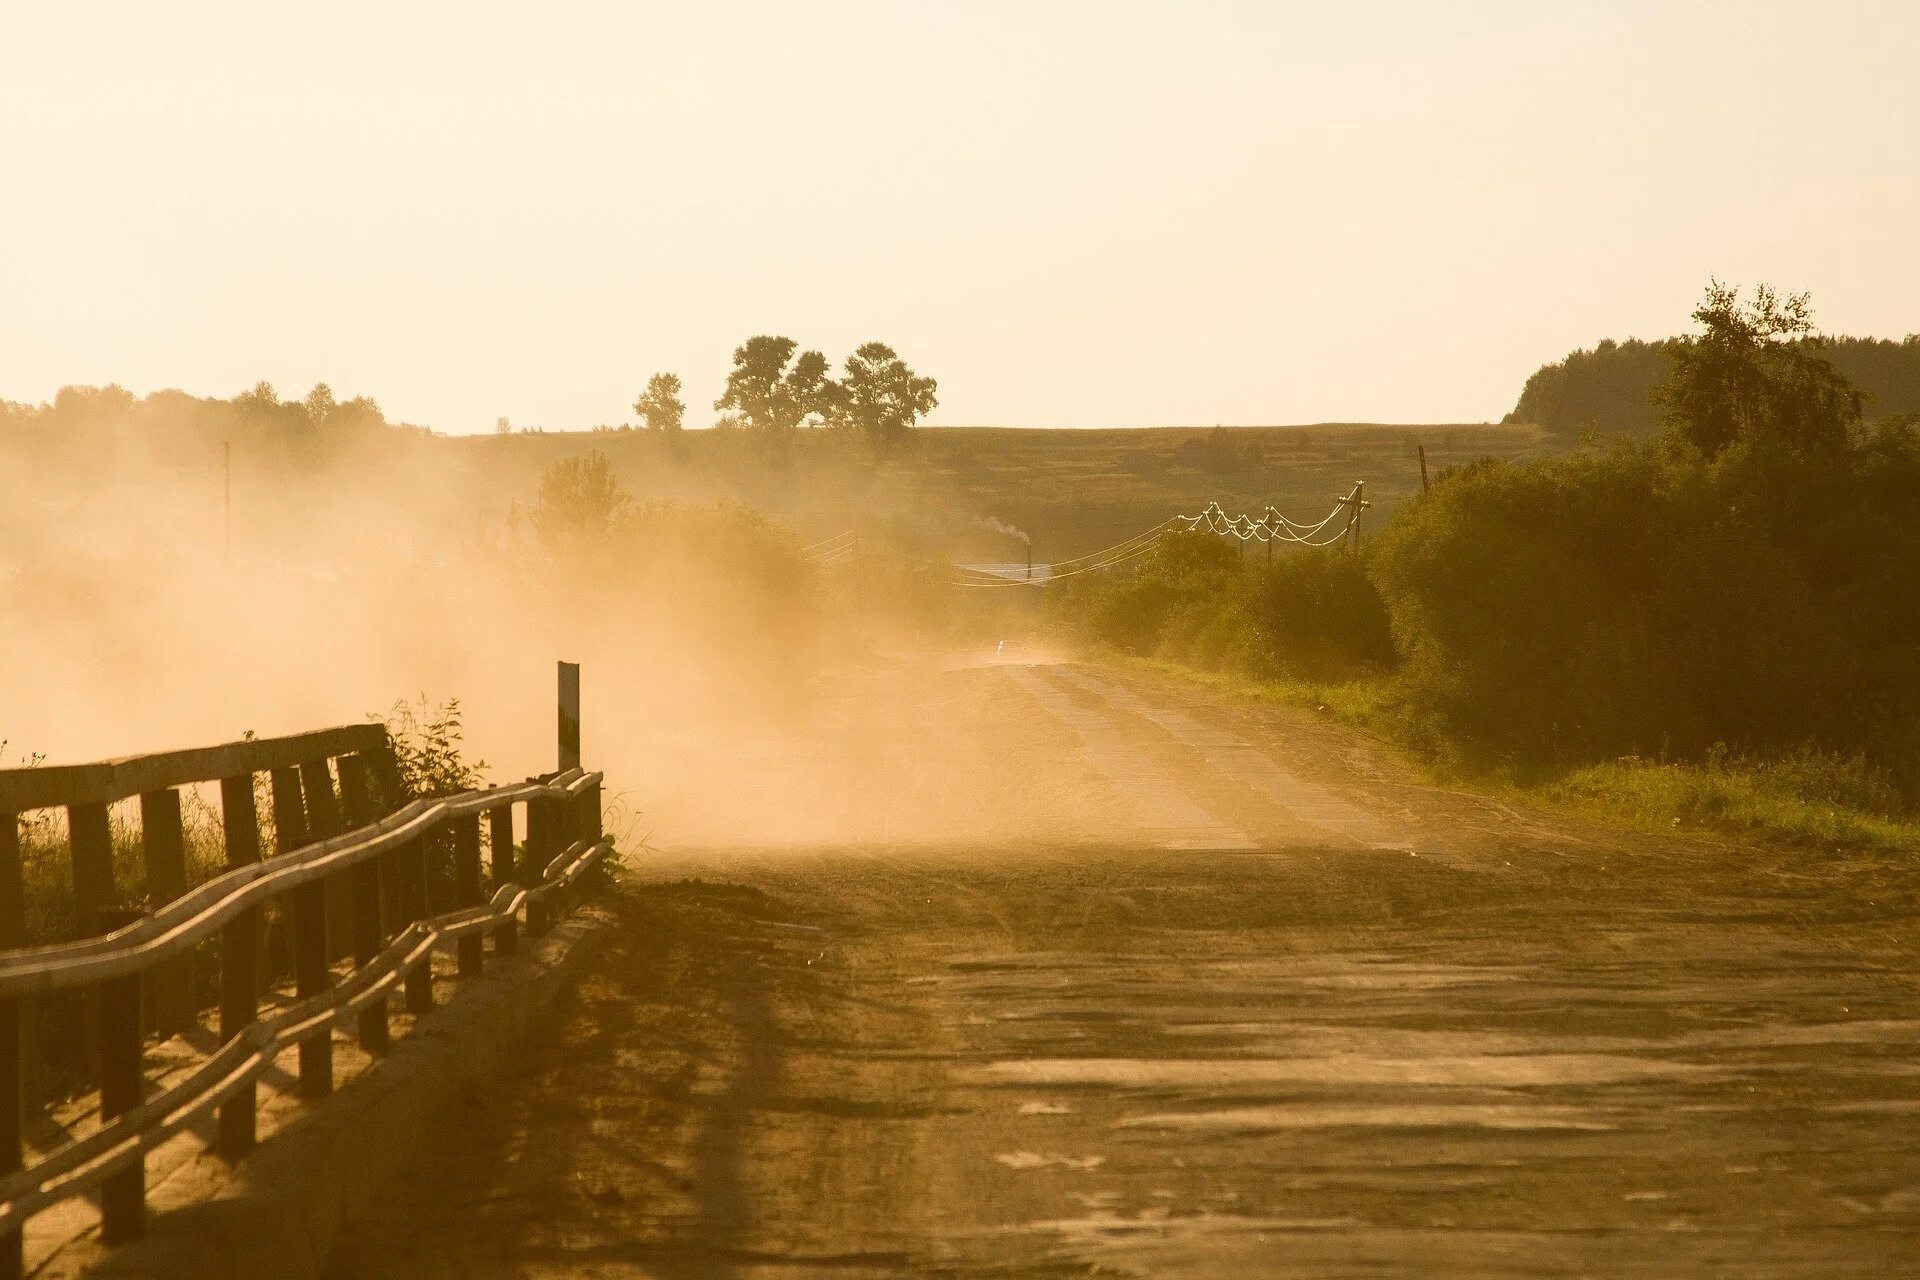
(1071, 214)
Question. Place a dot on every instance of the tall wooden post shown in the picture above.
(239, 958)
(1424, 486)
(164, 850)
(569, 716)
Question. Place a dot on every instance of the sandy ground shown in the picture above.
(1098, 976)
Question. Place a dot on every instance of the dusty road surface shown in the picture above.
(1170, 988)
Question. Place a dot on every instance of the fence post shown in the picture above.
(539, 851)
(90, 840)
(289, 833)
(123, 1196)
(311, 976)
(411, 872)
(13, 933)
(383, 769)
(466, 889)
(506, 934)
(324, 822)
(356, 801)
(239, 958)
(163, 848)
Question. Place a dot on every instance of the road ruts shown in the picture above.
(1444, 1038)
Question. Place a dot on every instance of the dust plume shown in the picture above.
(168, 588)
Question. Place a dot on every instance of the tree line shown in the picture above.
(1608, 390)
(318, 424)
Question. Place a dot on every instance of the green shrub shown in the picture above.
(1310, 614)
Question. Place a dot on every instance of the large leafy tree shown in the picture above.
(880, 397)
(660, 405)
(770, 390)
(1758, 374)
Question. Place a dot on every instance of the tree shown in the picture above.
(1758, 374)
(880, 397)
(811, 391)
(580, 500)
(765, 393)
(320, 404)
(660, 406)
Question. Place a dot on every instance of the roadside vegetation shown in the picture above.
(1713, 627)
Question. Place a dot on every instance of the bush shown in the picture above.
(1652, 602)
(1312, 614)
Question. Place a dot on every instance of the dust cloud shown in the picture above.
(735, 691)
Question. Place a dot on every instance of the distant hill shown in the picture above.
(1607, 388)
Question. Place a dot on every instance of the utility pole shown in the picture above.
(1355, 502)
(226, 495)
(1424, 486)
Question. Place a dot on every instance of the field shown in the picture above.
(1072, 491)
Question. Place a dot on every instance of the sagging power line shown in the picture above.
(1270, 527)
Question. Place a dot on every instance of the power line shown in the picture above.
(1271, 526)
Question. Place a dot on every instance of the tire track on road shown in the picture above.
(1308, 804)
(1164, 812)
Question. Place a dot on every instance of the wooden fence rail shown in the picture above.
(350, 871)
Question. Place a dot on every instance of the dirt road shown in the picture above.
(1248, 1001)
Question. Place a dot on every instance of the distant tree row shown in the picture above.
(78, 414)
(1608, 388)
(777, 389)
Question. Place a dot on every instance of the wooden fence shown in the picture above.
(349, 853)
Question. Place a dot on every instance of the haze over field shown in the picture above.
(1076, 214)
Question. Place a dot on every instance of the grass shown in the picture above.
(1808, 800)
(1074, 491)
(1773, 799)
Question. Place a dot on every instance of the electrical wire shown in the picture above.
(1272, 526)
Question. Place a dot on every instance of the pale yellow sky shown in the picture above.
(1071, 214)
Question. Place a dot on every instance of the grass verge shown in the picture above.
(1810, 799)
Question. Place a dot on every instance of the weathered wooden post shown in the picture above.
(239, 958)
(543, 836)
(163, 848)
(357, 803)
(309, 909)
(325, 821)
(569, 716)
(311, 976)
(411, 873)
(506, 934)
(466, 889)
(289, 833)
(90, 842)
(13, 933)
(123, 1196)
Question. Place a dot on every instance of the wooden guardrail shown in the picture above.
(347, 847)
